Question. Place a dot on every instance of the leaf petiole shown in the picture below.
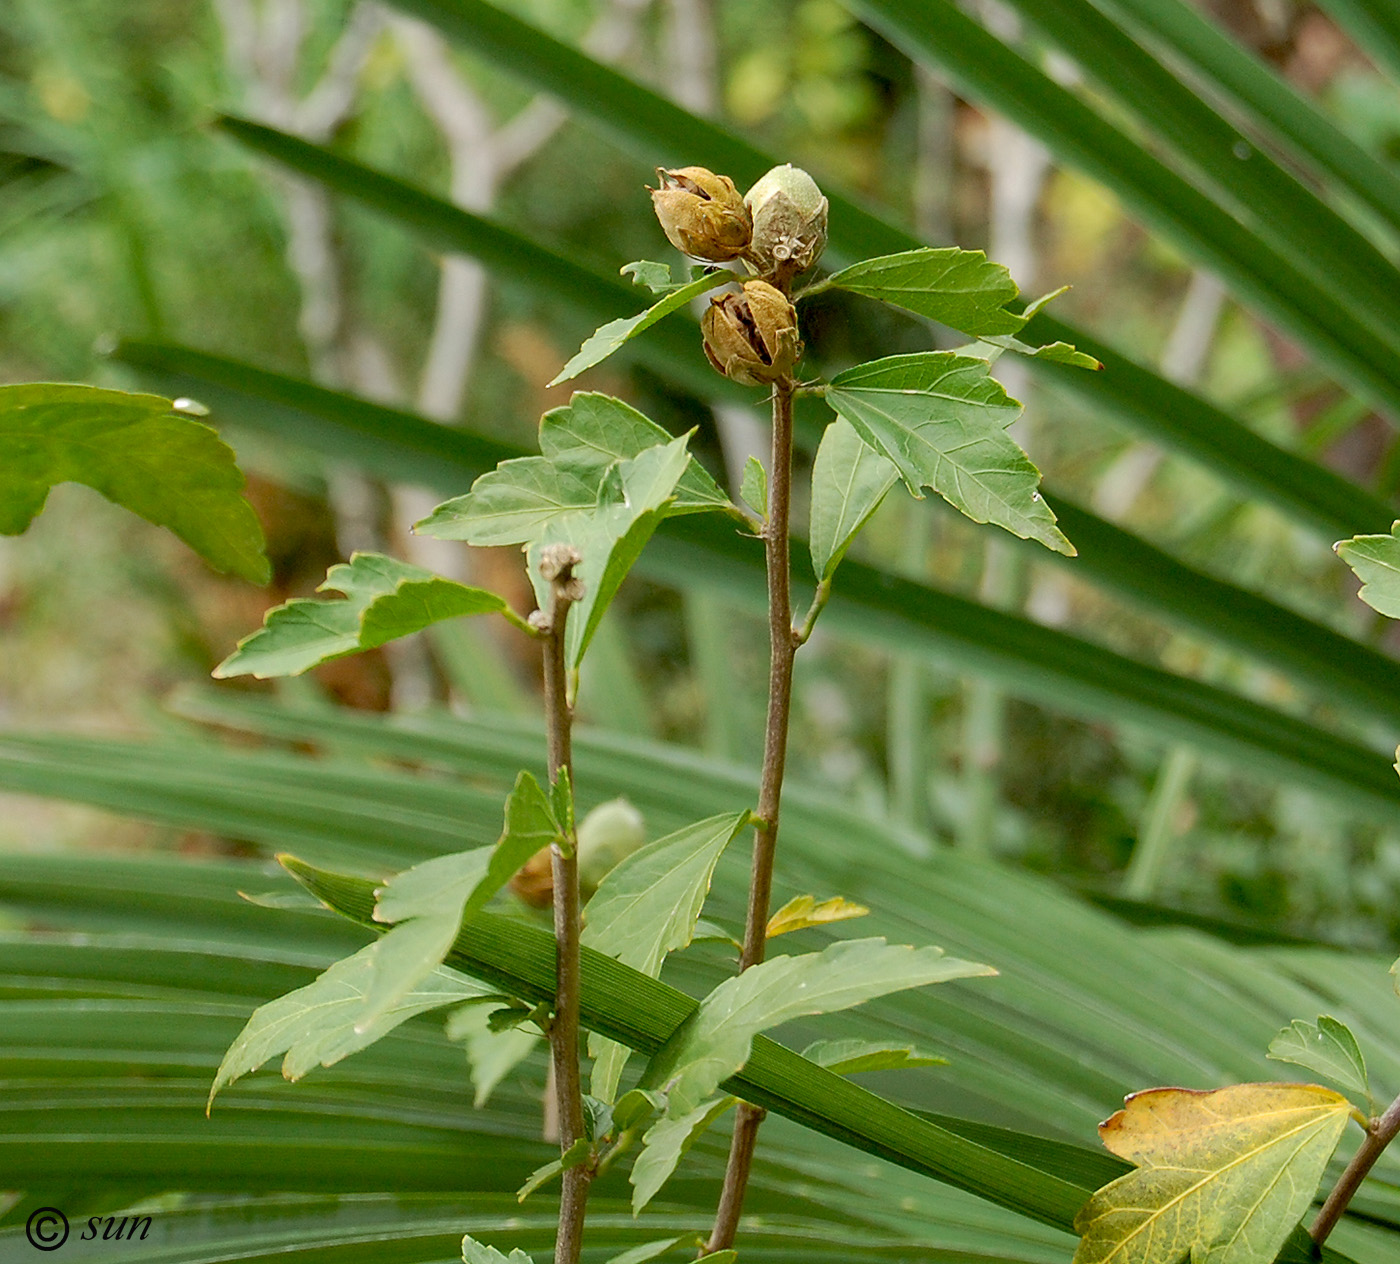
(802, 634)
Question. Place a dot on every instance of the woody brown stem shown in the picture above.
(564, 1028)
(783, 643)
(1379, 1135)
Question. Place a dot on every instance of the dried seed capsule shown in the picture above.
(789, 222)
(752, 337)
(702, 214)
(534, 881)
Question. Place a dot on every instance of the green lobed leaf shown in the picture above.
(1327, 1047)
(427, 904)
(960, 288)
(636, 1106)
(510, 1017)
(942, 419)
(491, 1055)
(138, 452)
(850, 1057)
(753, 488)
(646, 907)
(513, 504)
(606, 511)
(656, 277)
(532, 823)
(608, 338)
(592, 431)
(714, 1043)
(945, 626)
(666, 1143)
(1376, 561)
(849, 480)
(384, 599)
(632, 502)
(474, 1252)
(319, 1024)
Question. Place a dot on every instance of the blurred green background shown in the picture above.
(123, 213)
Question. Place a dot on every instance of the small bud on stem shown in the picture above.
(557, 562)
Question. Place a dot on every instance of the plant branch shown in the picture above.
(783, 643)
(782, 647)
(1379, 1135)
(557, 566)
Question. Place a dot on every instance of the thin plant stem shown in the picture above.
(1154, 845)
(1379, 1135)
(564, 1027)
(783, 643)
(809, 621)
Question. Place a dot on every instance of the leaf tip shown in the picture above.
(257, 571)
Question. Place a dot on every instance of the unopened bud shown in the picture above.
(752, 337)
(557, 561)
(606, 837)
(789, 222)
(556, 565)
(701, 213)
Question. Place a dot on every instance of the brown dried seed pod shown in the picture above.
(701, 213)
(752, 337)
(534, 881)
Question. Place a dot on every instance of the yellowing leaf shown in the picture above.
(804, 911)
(1222, 1176)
